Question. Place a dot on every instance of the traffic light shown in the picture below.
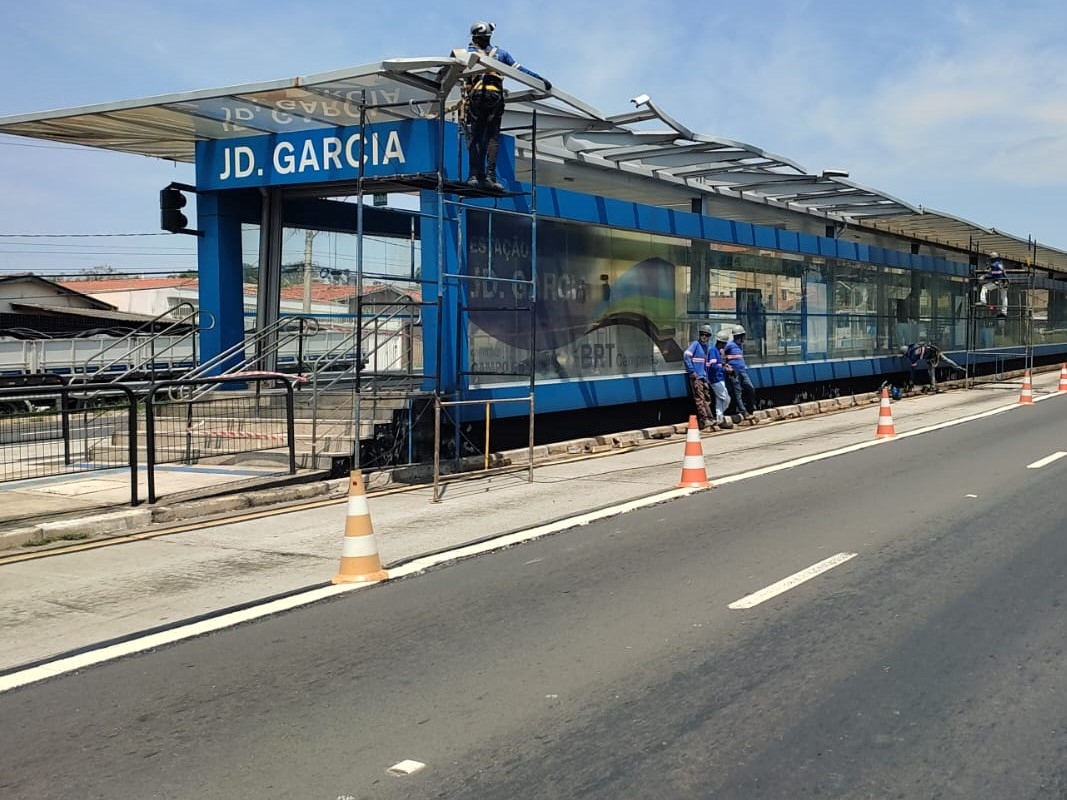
(171, 201)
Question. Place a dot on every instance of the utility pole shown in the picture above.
(309, 237)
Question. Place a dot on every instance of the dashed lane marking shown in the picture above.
(1044, 462)
(784, 585)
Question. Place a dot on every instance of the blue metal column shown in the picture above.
(439, 231)
(219, 263)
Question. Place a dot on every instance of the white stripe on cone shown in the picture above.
(359, 546)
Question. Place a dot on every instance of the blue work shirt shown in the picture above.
(696, 359)
(996, 270)
(716, 374)
(735, 356)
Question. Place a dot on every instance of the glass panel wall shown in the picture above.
(618, 302)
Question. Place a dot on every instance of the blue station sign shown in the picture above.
(315, 156)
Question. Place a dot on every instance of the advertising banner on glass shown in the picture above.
(597, 313)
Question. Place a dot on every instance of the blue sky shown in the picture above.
(956, 106)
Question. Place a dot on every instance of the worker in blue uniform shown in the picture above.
(995, 278)
(742, 391)
(933, 357)
(717, 380)
(695, 359)
(484, 108)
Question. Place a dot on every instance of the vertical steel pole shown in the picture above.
(357, 404)
(131, 433)
(290, 426)
(436, 447)
(533, 289)
(150, 444)
(485, 459)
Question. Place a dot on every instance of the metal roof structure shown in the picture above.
(661, 164)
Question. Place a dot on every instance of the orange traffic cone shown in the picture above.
(1027, 395)
(359, 555)
(885, 418)
(1063, 380)
(694, 470)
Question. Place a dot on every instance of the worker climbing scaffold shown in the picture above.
(996, 278)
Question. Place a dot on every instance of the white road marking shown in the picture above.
(791, 582)
(406, 767)
(970, 495)
(1044, 462)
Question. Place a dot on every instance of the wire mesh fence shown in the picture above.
(190, 422)
(58, 430)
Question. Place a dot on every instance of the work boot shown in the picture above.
(492, 184)
(475, 181)
(725, 424)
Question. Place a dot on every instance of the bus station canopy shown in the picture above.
(586, 145)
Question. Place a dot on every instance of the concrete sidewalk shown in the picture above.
(62, 602)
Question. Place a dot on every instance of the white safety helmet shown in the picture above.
(903, 349)
(739, 330)
(994, 254)
(723, 335)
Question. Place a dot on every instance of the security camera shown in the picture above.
(640, 100)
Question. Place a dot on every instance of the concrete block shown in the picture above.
(18, 537)
(376, 480)
(658, 432)
(199, 508)
(828, 405)
(627, 438)
(115, 522)
(809, 409)
(285, 494)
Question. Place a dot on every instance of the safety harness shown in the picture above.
(488, 81)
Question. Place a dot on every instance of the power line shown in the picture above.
(76, 235)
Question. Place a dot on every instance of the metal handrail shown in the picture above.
(186, 320)
(342, 351)
(279, 333)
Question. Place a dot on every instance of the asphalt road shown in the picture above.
(605, 662)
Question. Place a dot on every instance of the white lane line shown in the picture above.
(1044, 462)
(110, 652)
(791, 582)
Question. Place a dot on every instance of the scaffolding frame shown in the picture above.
(985, 322)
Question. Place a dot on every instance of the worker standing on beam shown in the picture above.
(484, 108)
